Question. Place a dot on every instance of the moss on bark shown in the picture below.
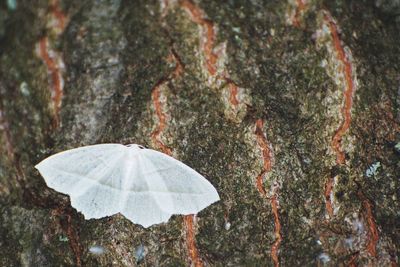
(285, 64)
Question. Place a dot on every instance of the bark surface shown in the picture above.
(289, 108)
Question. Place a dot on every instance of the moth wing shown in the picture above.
(91, 176)
(137, 201)
(175, 187)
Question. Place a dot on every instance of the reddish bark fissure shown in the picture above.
(74, 240)
(155, 135)
(278, 235)
(52, 59)
(73, 237)
(267, 166)
(207, 38)
(352, 261)
(58, 14)
(300, 7)
(158, 106)
(266, 152)
(372, 228)
(341, 131)
(55, 77)
(346, 109)
(348, 91)
(234, 90)
(191, 240)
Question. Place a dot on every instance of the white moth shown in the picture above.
(144, 185)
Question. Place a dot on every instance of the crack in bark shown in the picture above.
(346, 69)
(267, 166)
(234, 90)
(300, 9)
(336, 144)
(68, 228)
(372, 228)
(267, 155)
(189, 221)
(52, 59)
(278, 235)
(58, 14)
(348, 91)
(207, 46)
(155, 135)
(156, 95)
(353, 258)
(208, 34)
(54, 70)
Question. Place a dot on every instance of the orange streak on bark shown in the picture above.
(263, 143)
(373, 230)
(278, 236)
(55, 75)
(155, 135)
(207, 26)
(179, 65)
(155, 95)
(267, 166)
(74, 241)
(208, 40)
(58, 14)
(260, 185)
(233, 99)
(346, 109)
(348, 92)
(300, 8)
(191, 241)
(71, 234)
(352, 261)
(328, 200)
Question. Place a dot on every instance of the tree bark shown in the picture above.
(289, 108)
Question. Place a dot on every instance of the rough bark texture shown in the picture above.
(289, 108)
